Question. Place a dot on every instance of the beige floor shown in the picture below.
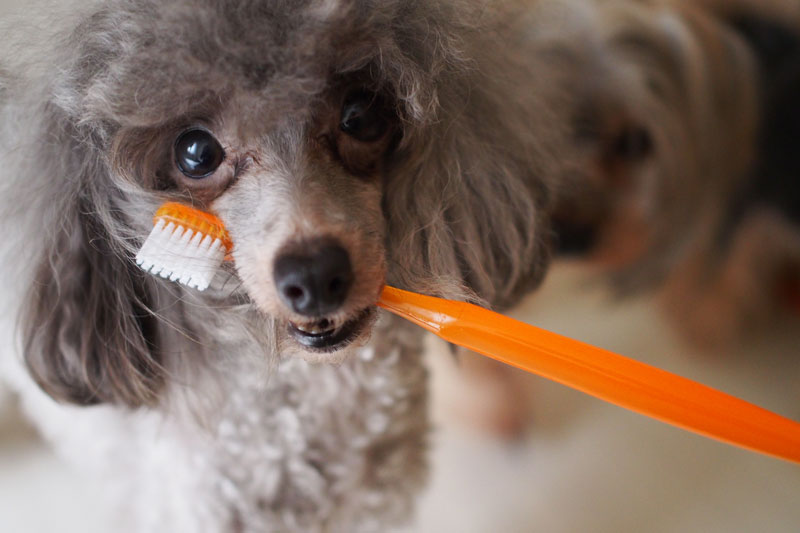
(586, 466)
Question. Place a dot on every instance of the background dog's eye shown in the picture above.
(634, 144)
(198, 154)
(363, 117)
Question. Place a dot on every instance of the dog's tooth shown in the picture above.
(313, 329)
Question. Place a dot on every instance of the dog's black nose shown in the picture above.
(314, 282)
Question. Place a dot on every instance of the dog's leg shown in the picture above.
(490, 396)
(743, 290)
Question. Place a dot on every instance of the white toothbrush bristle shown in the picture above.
(180, 254)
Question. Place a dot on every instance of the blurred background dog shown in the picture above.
(686, 181)
(691, 181)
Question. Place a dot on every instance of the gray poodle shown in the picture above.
(428, 144)
(345, 144)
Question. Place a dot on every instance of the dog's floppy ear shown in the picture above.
(469, 186)
(88, 334)
(469, 221)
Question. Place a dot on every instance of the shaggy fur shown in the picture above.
(744, 275)
(688, 181)
(206, 414)
(668, 130)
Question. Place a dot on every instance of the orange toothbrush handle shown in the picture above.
(603, 374)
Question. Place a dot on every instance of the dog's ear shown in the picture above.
(468, 222)
(468, 193)
(88, 333)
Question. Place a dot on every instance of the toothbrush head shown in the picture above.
(186, 245)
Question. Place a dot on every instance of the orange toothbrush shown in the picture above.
(188, 246)
(600, 373)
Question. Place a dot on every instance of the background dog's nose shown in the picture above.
(315, 283)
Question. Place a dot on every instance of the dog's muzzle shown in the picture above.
(314, 282)
(313, 279)
(322, 336)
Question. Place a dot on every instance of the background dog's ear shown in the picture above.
(88, 333)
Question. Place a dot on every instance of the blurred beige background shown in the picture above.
(585, 466)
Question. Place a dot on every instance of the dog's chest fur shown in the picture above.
(303, 448)
(334, 448)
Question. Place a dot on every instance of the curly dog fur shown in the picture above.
(209, 415)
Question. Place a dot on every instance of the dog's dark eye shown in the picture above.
(363, 117)
(198, 154)
(634, 144)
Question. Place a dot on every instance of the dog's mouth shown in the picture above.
(326, 336)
